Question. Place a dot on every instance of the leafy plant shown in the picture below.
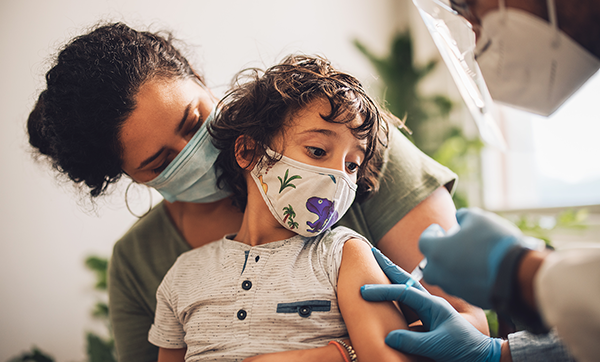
(542, 227)
(34, 356)
(492, 319)
(427, 116)
(100, 349)
(400, 77)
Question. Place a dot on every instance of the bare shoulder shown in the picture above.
(358, 262)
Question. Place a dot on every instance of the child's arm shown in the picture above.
(171, 355)
(329, 353)
(368, 323)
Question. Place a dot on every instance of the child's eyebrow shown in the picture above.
(362, 148)
(327, 132)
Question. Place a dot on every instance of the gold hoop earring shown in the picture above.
(127, 202)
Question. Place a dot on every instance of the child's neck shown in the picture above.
(259, 226)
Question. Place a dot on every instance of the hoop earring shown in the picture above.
(127, 203)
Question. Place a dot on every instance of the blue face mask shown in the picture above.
(191, 176)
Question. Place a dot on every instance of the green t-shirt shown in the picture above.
(147, 251)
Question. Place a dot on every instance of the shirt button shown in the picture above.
(304, 311)
(246, 285)
(257, 258)
(241, 314)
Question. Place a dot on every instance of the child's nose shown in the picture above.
(339, 165)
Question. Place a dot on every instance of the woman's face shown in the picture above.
(168, 113)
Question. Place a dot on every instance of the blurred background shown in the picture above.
(48, 228)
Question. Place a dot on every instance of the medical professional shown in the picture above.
(533, 54)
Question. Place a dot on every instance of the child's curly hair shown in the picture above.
(261, 103)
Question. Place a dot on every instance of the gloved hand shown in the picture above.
(466, 263)
(449, 338)
(394, 273)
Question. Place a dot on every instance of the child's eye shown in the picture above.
(316, 152)
(352, 166)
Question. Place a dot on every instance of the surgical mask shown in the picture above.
(303, 198)
(191, 176)
(529, 63)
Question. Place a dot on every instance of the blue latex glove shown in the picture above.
(449, 338)
(466, 263)
(394, 273)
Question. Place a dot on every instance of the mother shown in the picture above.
(119, 101)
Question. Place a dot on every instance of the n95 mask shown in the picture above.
(303, 198)
(529, 63)
(191, 176)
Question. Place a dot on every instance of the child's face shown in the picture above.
(310, 139)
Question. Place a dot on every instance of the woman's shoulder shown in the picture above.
(407, 166)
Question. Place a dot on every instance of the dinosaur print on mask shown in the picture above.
(326, 212)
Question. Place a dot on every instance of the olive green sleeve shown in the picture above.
(408, 177)
(130, 318)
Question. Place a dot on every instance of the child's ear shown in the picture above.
(244, 152)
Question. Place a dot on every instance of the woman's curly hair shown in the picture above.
(261, 104)
(90, 92)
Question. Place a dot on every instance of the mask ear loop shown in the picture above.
(127, 203)
(553, 20)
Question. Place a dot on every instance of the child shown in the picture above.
(295, 145)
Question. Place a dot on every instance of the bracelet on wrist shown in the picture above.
(349, 349)
(341, 349)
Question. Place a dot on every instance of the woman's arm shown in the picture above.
(401, 245)
(171, 355)
(329, 353)
(368, 323)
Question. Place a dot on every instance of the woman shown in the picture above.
(119, 101)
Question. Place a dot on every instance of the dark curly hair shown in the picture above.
(90, 92)
(260, 104)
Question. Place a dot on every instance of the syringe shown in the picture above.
(417, 274)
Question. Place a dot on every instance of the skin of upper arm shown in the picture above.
(368, 323)
(171, 355)
(401, 245)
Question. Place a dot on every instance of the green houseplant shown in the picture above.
(400, 91)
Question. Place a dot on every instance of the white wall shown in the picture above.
(46, 293)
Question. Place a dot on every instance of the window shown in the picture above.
(550, 162)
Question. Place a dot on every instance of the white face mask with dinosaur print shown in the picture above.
(305, 199)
